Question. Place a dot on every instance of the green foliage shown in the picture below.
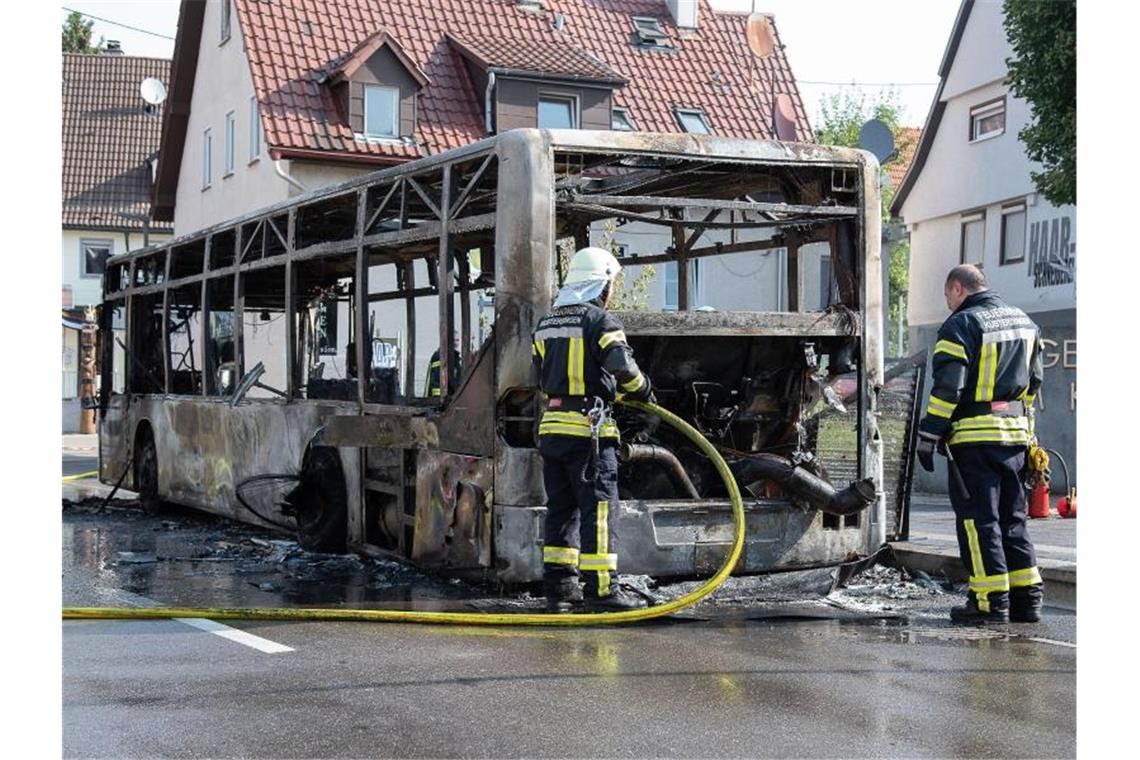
(843, 114)
(77, 35)
(1043, 71)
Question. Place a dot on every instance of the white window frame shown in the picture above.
(226, 23)
(84, 243)
(395, 113)
(254, 130)
(230, 148)
(1014, 208)
(622, 113)
(697, 112)
(207, 158)
(572, 100)
(963, 221)
(984, 111)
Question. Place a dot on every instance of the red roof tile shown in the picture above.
(107, 139)
(711, 67)
(906, 143)
(558, 58)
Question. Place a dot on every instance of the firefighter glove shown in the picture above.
(925, 453)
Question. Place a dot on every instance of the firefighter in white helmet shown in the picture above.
(584, 363)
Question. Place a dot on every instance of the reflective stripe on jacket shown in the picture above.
(986, 353)
(581, 350)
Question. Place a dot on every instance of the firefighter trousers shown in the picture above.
(578, 538)
(992, 536)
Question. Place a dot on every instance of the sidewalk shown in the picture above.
(933, 547)
(80, 442)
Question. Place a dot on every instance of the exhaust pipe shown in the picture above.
(633, 452)
(804, 484)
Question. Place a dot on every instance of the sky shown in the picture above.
(869, 42)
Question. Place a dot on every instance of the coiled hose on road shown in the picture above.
(475, 618)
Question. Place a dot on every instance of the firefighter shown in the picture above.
(583, 364)
(987, 371)
(433, 388)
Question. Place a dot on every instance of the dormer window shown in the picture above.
(557, 111)
(376, 87)
(693, 120)
(381, 111)
(649, 32)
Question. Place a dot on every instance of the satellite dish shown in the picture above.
(784, 117)
(153, 91)
(761, 40)
(876, 137)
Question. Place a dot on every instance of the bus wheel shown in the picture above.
(321, 502)
(146, 473)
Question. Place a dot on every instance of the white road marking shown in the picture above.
(1051, 641)
(233, 634)
(210, 626)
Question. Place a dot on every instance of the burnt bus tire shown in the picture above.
(146, 473)
(321, 502)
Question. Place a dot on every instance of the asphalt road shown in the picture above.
(723, 685)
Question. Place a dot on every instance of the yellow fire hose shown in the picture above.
(80, 476)
(475, 618)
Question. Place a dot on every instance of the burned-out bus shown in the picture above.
(284, 352)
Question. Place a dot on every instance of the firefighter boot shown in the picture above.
(1025, 603)
(562, 594)
(618, 599)
(969, 614)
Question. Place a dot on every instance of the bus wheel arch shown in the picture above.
(145, 467)
(320, 501)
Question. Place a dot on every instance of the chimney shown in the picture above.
(684, 13)
(113, 48)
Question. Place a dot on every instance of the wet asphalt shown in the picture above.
(771, 668)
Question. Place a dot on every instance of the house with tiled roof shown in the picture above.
(906, 143)
(269, 100)
(110, 141)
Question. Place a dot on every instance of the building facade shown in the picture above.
(110, 143)
(969, 198)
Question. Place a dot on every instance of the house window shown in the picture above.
(557, 112)
(254, 130)
(1013, 233)
(693, 120)
(207, 149)
(649, 32)
(381, 111)
(973, 239)
(229, 137)
(987, 120)
(225, 30)
(620, 121)
(672, 287)
(95, 254)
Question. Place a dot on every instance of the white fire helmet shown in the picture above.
(592, 264)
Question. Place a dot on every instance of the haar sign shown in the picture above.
(1052, 252)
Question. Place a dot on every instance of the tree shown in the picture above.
(77, 35)
(1043, 71)
(842, 116)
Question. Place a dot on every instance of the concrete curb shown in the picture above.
(1060, 577)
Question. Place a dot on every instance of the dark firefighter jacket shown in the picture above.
(580, 351)
(433, 388)
(987, 371)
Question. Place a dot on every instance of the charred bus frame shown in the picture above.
(455, 483)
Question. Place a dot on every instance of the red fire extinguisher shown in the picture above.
(1037, 466)
(1066, 505)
